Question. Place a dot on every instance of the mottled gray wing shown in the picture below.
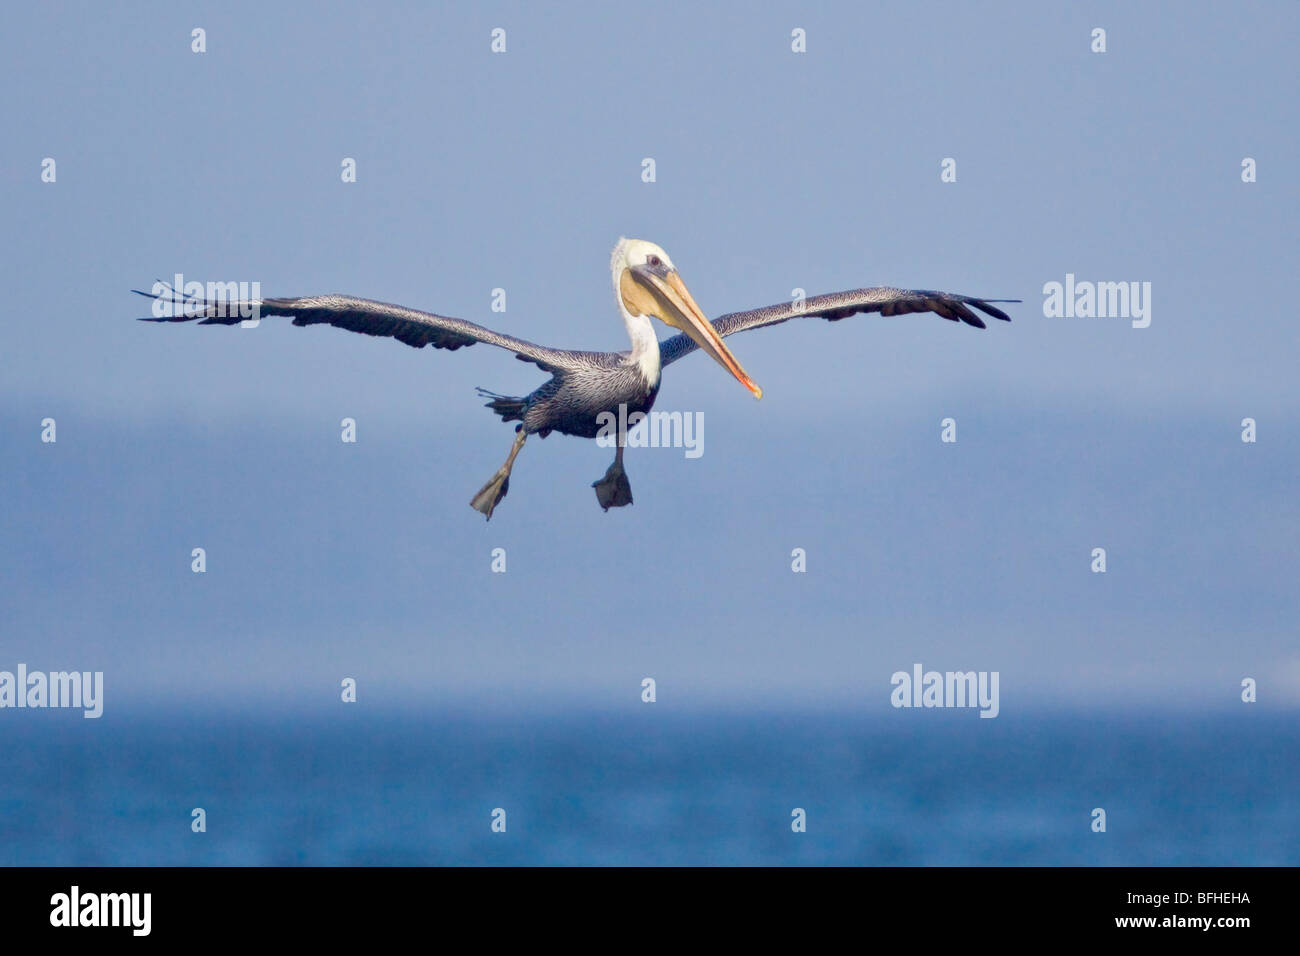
(411, 326)
(839, 305)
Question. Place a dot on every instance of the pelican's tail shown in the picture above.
(509, 408)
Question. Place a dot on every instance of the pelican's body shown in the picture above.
(572, 401)
(585, 387)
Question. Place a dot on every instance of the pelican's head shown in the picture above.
(647, 284)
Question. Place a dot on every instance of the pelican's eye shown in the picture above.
(654, 262)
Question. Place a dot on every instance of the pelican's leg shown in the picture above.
(613, 491)
(490, 495)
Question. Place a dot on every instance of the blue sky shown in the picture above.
(774, 171)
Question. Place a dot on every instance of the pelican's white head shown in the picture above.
(636, 252)
(646, 284)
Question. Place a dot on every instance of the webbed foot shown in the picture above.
(614, 490)
(490, 495)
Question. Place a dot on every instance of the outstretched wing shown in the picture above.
(411, 326)
(839, 305)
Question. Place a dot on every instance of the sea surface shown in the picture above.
(648, 786)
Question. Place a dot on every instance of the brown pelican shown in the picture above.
(584, 386)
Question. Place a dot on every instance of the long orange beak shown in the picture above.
(678, 309)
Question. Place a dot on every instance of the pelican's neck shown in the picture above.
(645, 345)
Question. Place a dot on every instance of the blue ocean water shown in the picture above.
(648, 786)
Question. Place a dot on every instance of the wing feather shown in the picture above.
(409, 326)
(840, 305)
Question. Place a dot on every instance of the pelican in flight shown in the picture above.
(585, 386)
